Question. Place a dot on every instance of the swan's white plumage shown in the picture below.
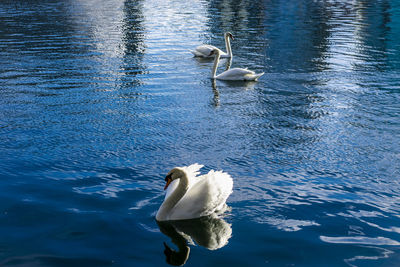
(205, 50)
(191, 171)
(238, 74)
(206, 194)
(235, 74)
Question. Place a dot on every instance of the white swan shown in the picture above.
(205, 50)
(194, 196)
(235, 74)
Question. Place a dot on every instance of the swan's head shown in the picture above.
(229, 35)
(173, 174)
(214, 52)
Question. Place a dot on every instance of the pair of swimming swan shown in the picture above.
(235, 74)
(191, 196)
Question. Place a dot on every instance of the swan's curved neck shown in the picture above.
(215, 66)
(228, 46)
(173, 198)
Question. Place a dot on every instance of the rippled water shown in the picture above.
(100, 99)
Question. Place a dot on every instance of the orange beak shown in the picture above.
(169, 180)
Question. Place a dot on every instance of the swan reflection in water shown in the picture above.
(206, 61)
(209, 232)
(215, 92)
(214, 84)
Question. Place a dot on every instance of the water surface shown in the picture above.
(100, 99)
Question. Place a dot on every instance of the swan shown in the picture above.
(194, 196)
(235, 74)
(205, 50)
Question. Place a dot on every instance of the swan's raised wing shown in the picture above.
(192, 170)
(205, 197)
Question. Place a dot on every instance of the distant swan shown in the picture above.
(235, 74)
(194, 196)
(205, 50)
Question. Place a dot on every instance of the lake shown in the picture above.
(99, 100)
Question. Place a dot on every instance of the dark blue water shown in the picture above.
(100, 99)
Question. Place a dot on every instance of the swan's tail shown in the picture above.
(253, 77)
